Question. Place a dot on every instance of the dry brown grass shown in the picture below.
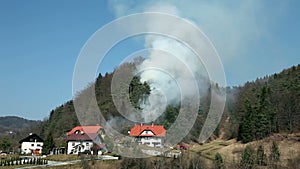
(230, 150)
(63, 157)
(288, 145)
(96, 165)
(208, 150)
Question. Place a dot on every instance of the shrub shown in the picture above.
(247, 160)
(218, 161)
(275, 153)
(261, 157)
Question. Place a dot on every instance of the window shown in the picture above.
(73, 144)
(87, 144)
(32, 145)
(39, 145)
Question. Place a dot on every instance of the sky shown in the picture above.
(41, 40)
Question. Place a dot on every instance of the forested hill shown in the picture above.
(267, 105)
(64, 117)
(253, 111)
(15, 124)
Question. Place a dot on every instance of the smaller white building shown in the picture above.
(32, 144)
(151, 135)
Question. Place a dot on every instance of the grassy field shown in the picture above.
(209, 150)
(95, 165)
(289, 147)
(63, 157)
(231, 150)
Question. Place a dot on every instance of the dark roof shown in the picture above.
(82, 137)
(32, 138)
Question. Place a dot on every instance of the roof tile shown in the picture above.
(156, 129)
(82, 137)
(86, 129)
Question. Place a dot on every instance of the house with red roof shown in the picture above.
(84, 139)
(151, 135)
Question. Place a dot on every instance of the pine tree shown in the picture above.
(262, 119)
(258, 120)
(261, 157)
(48, 144)
(275, 153)
(5, 144)
(218, 162)
(247, 129)
(247, 160)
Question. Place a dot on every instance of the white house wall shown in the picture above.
(73, 146)
(29, 147)
(152, 141)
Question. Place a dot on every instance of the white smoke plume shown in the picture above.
(171, 66)
(169, 69)
(239, 22)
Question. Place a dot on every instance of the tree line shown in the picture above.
(253, 111)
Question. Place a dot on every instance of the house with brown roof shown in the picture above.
(85, 139)
(151, 135)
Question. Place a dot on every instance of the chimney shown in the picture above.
(141, 124)
(152, 125)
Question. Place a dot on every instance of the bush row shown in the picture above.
(18, 161)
